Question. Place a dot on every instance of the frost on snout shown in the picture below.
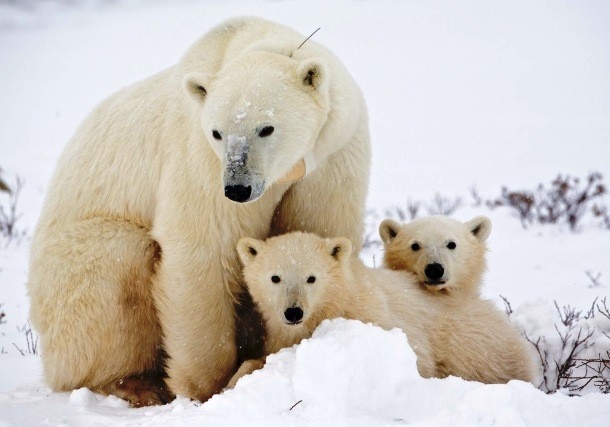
(237, 152)
(241, 184)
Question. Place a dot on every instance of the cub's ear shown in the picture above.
(313, 73)
(248, 249)
(388, 230)
(194, 85)
(339, 248)
(480, 227)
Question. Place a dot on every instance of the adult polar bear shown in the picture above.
(134, 254)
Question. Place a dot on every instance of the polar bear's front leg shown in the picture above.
(197, 318)
(246, 368)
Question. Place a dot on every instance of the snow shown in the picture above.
(460, 95)
(237, 150)
(347, 373)
(240, 115)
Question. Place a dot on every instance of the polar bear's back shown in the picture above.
(113, 162)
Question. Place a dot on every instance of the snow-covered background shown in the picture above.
(460, 94)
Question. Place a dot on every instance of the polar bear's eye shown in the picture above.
(216, 135)
(415, 247)
(311, 279)
(266, 131)
(275, 279)
(451, 245)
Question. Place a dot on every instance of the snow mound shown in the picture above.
(85, 397)
(347, 370)
(347, 373)
(351, 373)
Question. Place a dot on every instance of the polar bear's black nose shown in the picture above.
(238, 193)
(434, 271)
(293, 314)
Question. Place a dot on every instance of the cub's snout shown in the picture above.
(434, 272)
(293, 315)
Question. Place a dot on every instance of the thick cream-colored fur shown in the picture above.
(425, 241)
(135, 248)
(466, 338)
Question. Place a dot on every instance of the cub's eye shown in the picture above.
(415, 247)
(266, 131)
(311, 279)
(276, 279)
(451, 245)
(216, 135)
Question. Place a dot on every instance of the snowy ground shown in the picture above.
(460, 94)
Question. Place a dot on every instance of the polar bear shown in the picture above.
(133, 270)
(447, 256)
(299, 279)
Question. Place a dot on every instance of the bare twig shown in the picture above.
(18, 349)
(30, 338)
(595, 282)
(476, 197)
(441, 205)
(9, 215)
(603, 308)
(565, 200)
(293, 406)
(564, 364)
(507, 306)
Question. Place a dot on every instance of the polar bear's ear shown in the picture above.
(480, 226)
(339, 248)
(248, 249)
(194, 84)
(313, 73)
(388, 230)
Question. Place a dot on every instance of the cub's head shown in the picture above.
(291, 277)
(262, 113)
(446, 255)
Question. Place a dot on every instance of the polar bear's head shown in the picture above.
(292, 277)
(446, 255)
(262, 113)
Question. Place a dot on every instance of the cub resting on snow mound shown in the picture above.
(299, 279)
(446, 256)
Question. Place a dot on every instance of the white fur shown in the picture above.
(457, 249)
(469, 338)
(134, 250)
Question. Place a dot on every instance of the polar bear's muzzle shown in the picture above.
(240, 184)
(242, 187)
(243, 191)
(238, 193)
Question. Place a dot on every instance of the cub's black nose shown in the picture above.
(238, 193)
(293, 314)
(434, 271)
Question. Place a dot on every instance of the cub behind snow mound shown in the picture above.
(297, 280)
(446, 256)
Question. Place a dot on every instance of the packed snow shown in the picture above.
(461, 95)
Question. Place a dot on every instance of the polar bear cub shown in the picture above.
(446, 255)
(297, 280)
